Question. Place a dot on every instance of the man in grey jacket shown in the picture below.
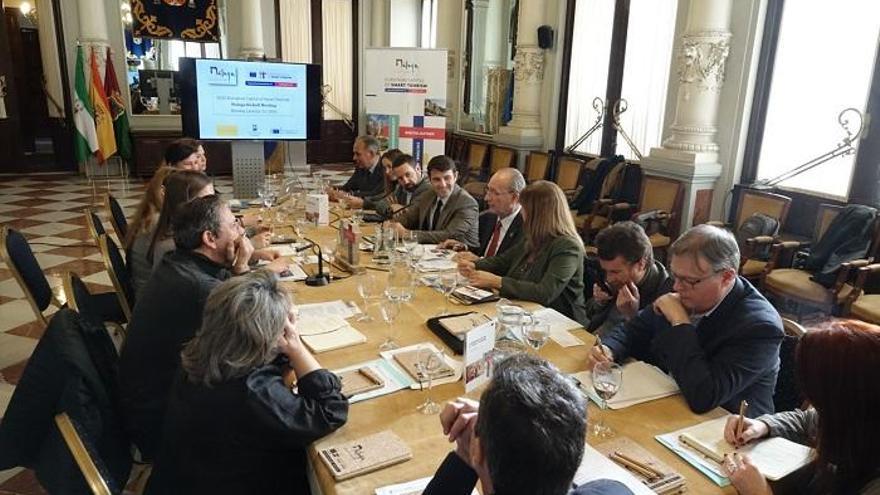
(445, 212)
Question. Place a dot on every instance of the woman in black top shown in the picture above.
(233, 425)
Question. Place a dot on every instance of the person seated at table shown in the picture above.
(716, 334)
(500, 226)
(445, 212)
(232, 424)
(547, 267)
(635, 278)
(148, 247)
(368, 178)
(524, 436)
(147, 213)
(185, 154)
(836, 366)
(411, 183)
(210, 247)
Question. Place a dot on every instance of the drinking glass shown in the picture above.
(410, 241)
(400, 278)
(448, 282)
(607, 378)
(328, 251)
(390, 309)
(536, 334)
(429, 361)
(368, 289)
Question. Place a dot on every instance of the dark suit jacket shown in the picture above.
(487, 222)
(458, 219)
(166, 316)
(730, 355)
(245, 435)
(455, 477)
(364, 183)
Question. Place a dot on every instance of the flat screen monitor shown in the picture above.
(239, 100)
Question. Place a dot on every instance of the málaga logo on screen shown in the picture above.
(221, 76)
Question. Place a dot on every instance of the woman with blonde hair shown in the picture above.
(147, 213)
(547, 266)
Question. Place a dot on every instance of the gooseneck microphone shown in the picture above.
(318, 279)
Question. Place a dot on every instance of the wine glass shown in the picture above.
(410, 241)
(429, 361)
(607, 378)
(328, 251)
(448, 282)
(368, 289)
(536, 334)
(390, 309)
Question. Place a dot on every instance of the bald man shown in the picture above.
(500, 226)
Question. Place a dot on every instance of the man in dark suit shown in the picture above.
(716, 335)
(368, 178)
(445, 212)
(510, 428)
(500, 226)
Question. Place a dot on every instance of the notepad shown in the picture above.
(702, 444)
(663, 480)
(360, 380)
(595, 466)
(641, 383)
(364, 455)
(337, 339)
(318, 325)
(409, 361)
(461, 324)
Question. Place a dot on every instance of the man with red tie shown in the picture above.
(500, 226)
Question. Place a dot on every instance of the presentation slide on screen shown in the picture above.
(251, 100)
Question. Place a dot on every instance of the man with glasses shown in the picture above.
(715, 334)
(500, 226)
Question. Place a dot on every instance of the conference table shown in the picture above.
(397, 411)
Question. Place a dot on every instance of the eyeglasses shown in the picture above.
(693, 282)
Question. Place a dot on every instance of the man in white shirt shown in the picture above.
(500, 226)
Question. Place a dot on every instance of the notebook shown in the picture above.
(409, 361)
(595, 466)
(461, 324)
(702, 445)
(349, 459)
(343, 337)
(360, 380)
(641, 383)
(658, 476)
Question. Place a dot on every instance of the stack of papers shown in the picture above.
(435, 265)
(595, 466)
(774, 457)
(641, 383)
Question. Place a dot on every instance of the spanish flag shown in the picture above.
(103, 117)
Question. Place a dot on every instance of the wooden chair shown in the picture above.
(118, 273)
(84, 458)
(458, 148)
(476, 160)
(537, 165)
(19, 258)
(795, 285)
(93, 307)
(865, 307)
(499, 157)
(568, 172)
(94, 224)
(117, 216)
(608, 207)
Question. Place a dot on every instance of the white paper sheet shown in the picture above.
(560, 326)
(595, 466)
(415, 487)
(641, 383)
(340, 308)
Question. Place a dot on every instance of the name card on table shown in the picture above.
(318, 209)
(478, 346)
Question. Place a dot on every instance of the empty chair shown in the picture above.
(26, 270)
(568, 172)
(537, 166)
(117, 216)
(94, 224)
(476, 160)
(865, 307)
(500, 157)
(118, 273)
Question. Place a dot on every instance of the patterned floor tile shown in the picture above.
(64, 205)
(5, 207)
(48, 261)
(68, 196)
(52, 228)
(100, 278)
(12, 198)
(55, 216)
(10, 288)
(6, 475)
(15, 349)
(15, 313)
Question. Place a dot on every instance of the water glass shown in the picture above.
(389, 309)
(448, 283)
(368, 289)
(429, 362)
(536, 333)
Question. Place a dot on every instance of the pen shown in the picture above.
(743, 406)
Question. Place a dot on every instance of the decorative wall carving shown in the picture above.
(529, 65)
(702, 59)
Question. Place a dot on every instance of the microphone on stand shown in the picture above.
(318, 279)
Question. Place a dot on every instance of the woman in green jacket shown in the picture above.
(547, 266)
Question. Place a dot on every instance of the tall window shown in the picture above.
(648, 26)
(815, 75)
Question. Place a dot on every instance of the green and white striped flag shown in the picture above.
(83, 115)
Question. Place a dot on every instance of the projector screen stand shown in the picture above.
(248, 168)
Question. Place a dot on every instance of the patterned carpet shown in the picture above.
(48, 210)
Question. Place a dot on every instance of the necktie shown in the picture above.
(436, 215)
(493, 242)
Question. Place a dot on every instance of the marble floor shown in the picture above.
(48, 210)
